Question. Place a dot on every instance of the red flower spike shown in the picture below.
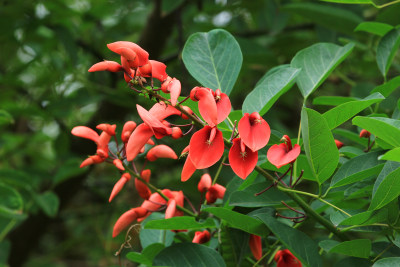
(85, 132)
(364, 134)
(206, 147)
(106, 66)
(159, 129)
(223, 105)
(338, 144)
(204, 183)
(255, 246)
(161, 151)
(201, 237)
(108, 128)
(118, 164)
(127, 218)
(207, 104)
(119, 185)
(214, 192)
(284, 258)
(137, 140)
(254, 131)
(142, 189)
(171, 209)
(176, 133)
(242, 159)
(283, 154)
(127, 130)
(142, 55)
(92, 160)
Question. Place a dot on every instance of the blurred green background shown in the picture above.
(58, 214)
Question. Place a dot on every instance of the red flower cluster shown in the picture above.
(284, 258)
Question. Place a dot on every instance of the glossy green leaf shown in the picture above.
(275, 82)
(147, 255)
(374, 27)
(367, 217)
(340, 114)
(319, 145)
(387, 262)
(350, 135)
(393, 155)
(321, 14)
(349, 1)
(387, 190)
(5, 117)
(302, 246)
(387, 88)
(188, 254)
(386, 129)
(48, 202)
(357, 169)
(387, 49)
(150, 236)
(234, 245)
(389, 167)
(214, 59)
(332, 100)
(239, 221)
(359, 248)
(11, 203)
(351, 151)
(179, 223)
(316, 63)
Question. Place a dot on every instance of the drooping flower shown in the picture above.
(206, 147)
(283, 154)
(119, 185)
(172, 86)
(127, 218)
(338, 144)
(201, 237)
(142, 189)
(118, 164)
(118, 47)
(188, 168)
(255, 246)
(108, 128)
(106, 65)
(127, 130)
(364, 134)
(215, 192)
(161, 151)
(204, 183)
(254, 131)
(242, 159)
(284, 258)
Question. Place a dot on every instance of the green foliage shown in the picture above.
(387, 49)
(179, 223)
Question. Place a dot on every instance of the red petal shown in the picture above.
(171, 208)
(161, 151)
(85, 132)
(242, 163)
(207, 104)
(110, 129)
(284, 258)
(124, 221)
(278, 156)
(127, 130)
(218, 190)
(118, 164)
(118, 187)
(204, 183)
(255, 246)
(92, 160)
(175, 90)
(104, 139)
(161, 111)
(201, 237)
(188, 169)
(223, 107)
(137, 140)
(158, 70)
(204, 153)
(338, 144)
(142, 55)
(106, 66)
(155, 124)
(141, 188)
(254, 131)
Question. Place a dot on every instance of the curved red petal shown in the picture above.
(161, 111)
(158, 70)
(171, 208)
(137, 140)
(142, 54)
(207, 104)
(124, 221)
(118, 164)
(110, 129)
(242, 163)
(223, 107)
(175, 90)
(127, 130)
(85, 132)
(201, 237)
(161, 151)
(188, 169)
(155, 124)
(278, 155)
(106, 66)
(255, 132)
(204, 153)
(117, 187)
(255, 246)
(204, 183)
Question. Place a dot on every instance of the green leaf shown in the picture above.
(393, 155)
(246, 197)
(180, 223)
(11, 203)
(386, 129)
(387, 88)
(351, 151)
(316, 63)
(374, 27)
(150, 236)
(359, 248)
(302, 246)
(48, 202)
(214, 59)
(328, 244)
(321, 14)
(234, 245)
(5, 117)
(389, 167)
(319, 145)
(275, 83)
(349, 1)
(387, 190)
(340, 114)
(367, 217)
(332, 100)
(387, 262)
(239, 221)
(387, 49)
(357, 169)
(147, 255)
(352, 136)
(188, 254)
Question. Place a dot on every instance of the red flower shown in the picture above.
(254, 131)
(154, 69)
(118, 47)
(284, 258)
(242, 159)
(161, 151)
(127, 218)
(142, 189)
(206, 147)
(158, 128)
(282, 154)
(364, 134)
(106, 66)
(215, 192)
(188, 168)
(201, 237)
(172, 86)
(119, 185)
(255, 246)
(127, 130)
(204, 183)
(338, 144)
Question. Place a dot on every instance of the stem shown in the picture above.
(7, 229)
(345, 78)
(219, 170)
(383, 251)
(385, 5)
